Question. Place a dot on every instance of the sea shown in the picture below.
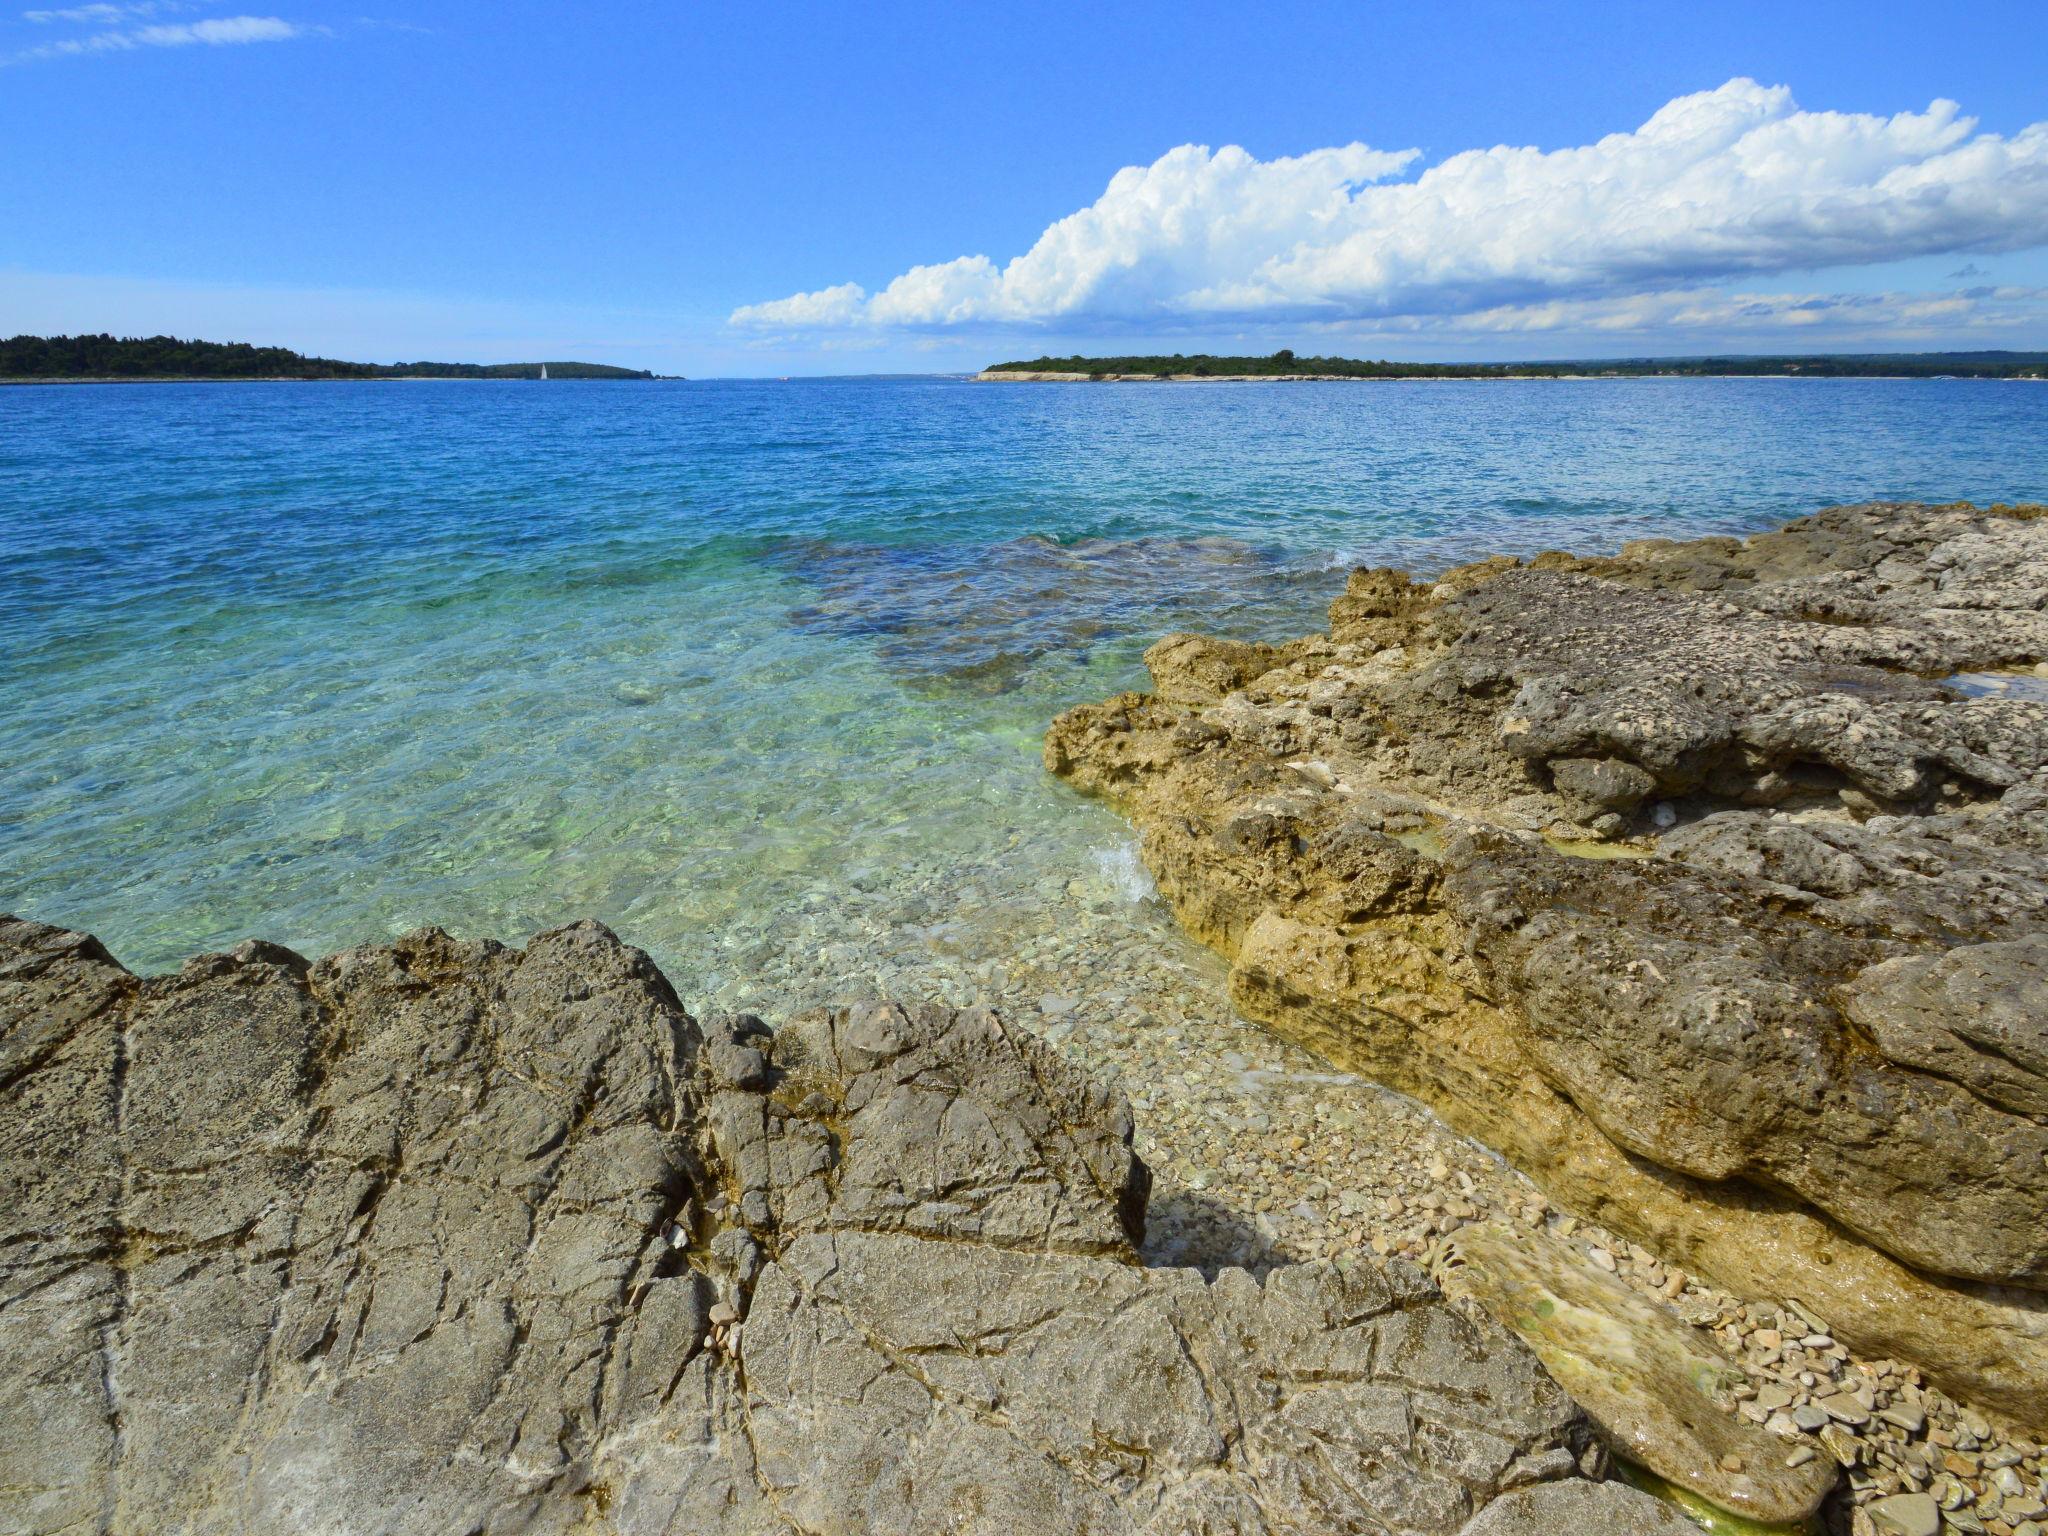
(756, 672)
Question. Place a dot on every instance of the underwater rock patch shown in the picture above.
(980, 616)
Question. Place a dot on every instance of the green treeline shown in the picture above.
(167, 357)
(1987, 365)
(134, 357)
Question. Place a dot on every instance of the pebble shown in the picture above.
(1906, 1514)
(1840, 1443)
(1845, 1408)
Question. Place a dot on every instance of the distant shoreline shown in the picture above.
(107, 359)
(1015, 376)
(1201, 367)
(286, 378)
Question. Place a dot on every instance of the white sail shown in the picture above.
(543, 370)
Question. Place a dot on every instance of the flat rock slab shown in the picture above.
(1655, 1390)
(445, 1236)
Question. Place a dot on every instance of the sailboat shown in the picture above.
(543, 370)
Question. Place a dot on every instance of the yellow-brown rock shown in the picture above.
(1681, 878)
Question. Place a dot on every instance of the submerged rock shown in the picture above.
(980, 617)
(445, 1236)
(1797, 1047)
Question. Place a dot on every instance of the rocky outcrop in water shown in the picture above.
(446, 1236)
(1680, 877)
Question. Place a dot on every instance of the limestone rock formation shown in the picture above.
(1682, 877)
(449, 1237)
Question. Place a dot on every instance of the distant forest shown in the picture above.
(166, 357)
(1979, 365)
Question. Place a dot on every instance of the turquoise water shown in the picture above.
(755, 672)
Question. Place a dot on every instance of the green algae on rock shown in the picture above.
(1701, 1514)
(1657, 1393)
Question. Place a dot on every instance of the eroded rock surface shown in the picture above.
(1681, 878)
(447, 1236)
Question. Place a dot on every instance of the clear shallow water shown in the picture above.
(755, 672)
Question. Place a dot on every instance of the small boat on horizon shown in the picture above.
(543, 371)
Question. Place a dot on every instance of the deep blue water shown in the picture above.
(709, 661)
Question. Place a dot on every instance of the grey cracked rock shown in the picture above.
(444, 1236)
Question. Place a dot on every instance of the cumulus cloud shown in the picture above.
(1719, 185)
(118, 35)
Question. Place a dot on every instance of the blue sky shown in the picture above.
(807, 188)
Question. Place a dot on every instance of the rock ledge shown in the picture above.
(447, 1236)
(1708, 882)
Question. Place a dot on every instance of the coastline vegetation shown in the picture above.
(1286, 364)
(168, 357)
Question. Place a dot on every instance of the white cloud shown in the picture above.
(220, 30)
(842, 305)
(88, 15)
(1719, 313)
(1720, 185)
(215, 32)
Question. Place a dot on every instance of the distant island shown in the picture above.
(1286, 365)
(137, 358)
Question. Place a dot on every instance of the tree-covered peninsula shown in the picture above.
(168, 357)
(1286, 364)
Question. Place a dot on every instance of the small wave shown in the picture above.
(1123, 873)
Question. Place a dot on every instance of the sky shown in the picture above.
(810, 188)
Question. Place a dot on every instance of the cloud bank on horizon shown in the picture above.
(1634, 231)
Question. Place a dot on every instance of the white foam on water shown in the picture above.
(1123, 873)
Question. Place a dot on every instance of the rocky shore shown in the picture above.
(450, 1237)
(1708, 884)
(1705, 883)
